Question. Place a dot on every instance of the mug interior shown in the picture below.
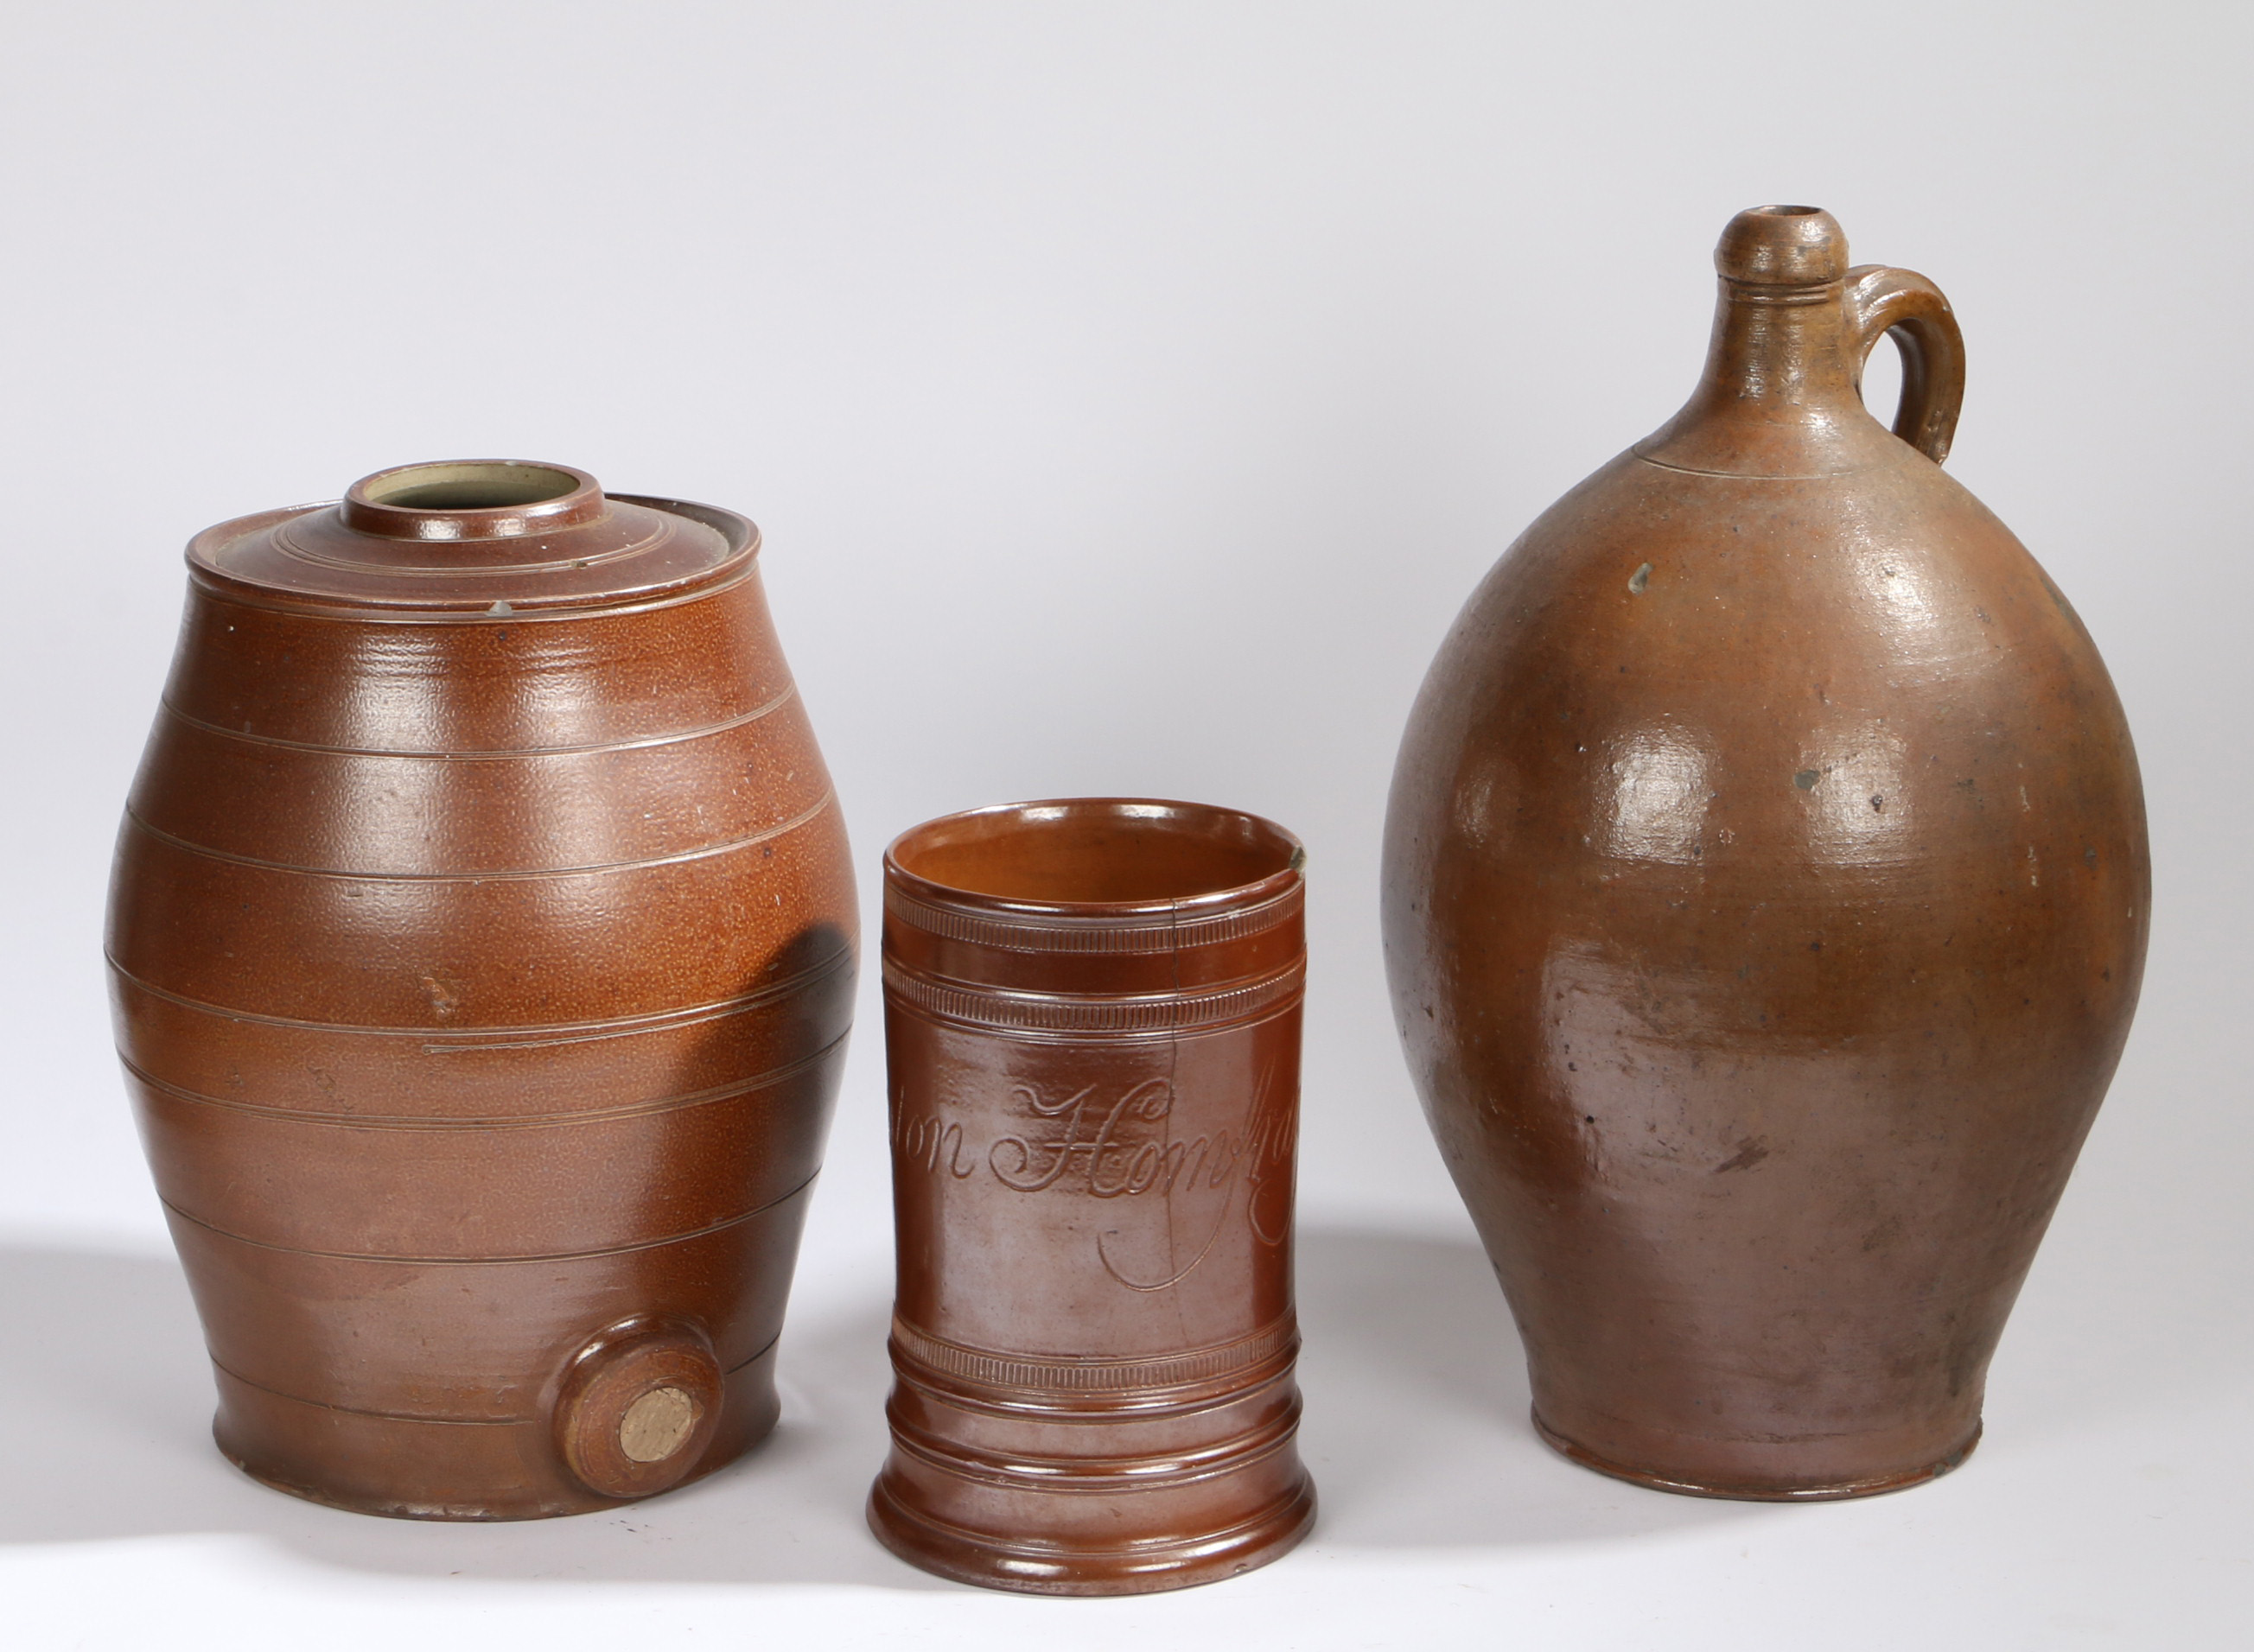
(1098, 851)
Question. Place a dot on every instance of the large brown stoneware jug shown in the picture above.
(1765, 906)
(482, 948)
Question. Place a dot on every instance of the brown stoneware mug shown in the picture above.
(1092, 1021)
(482, 951)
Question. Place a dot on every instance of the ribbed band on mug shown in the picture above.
(913, 1346)
(1048, 932)
(1093, 1013)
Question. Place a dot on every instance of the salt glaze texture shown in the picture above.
(482, 951)
(1092, 1024)
(1765, 905)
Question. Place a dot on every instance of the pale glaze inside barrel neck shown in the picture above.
(471, 500)
(1779, 395)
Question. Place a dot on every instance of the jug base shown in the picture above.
(1835, 1492)
(1050, 1568)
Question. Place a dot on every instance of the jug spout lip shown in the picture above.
(1782, 247)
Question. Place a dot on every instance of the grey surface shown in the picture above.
(1130, 393)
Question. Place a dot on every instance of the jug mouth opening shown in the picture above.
(1090, 853)
(1782, 247)
(472, 498)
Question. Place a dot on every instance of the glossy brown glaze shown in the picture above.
(1765, 905)
(1092, 1021)
(481, 943)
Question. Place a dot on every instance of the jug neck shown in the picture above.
(1780, 395)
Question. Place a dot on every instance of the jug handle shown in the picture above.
(1883, 300)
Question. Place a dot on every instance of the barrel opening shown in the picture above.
(471, 500)
(468, 486)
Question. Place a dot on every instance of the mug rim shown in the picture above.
(1035, 813)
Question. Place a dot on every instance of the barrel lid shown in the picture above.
(478, 537)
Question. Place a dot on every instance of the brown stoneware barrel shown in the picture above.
(482, 946)
(1765, 904)
(1092, 1021)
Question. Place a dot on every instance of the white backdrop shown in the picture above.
(1129, 394)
